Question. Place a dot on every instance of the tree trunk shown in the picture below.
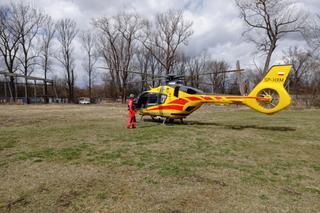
(268, 59)
(124, 93)
(26, 95)
(90, 86)
(12, 89)
(46, 98)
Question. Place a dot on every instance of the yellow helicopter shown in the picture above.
(177, 101)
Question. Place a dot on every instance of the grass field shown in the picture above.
(69, 158)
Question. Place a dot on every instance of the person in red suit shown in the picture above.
(131, 112)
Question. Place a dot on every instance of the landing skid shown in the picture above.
(165, 120)
(141, 118)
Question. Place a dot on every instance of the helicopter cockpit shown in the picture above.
(148, 99)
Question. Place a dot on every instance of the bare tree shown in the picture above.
(29, 21)
(301, 64)
(218, 77)
(143, 64)
(47, 34)
(314, 82)
(89, 45)
(268, 21)
(113, 74)
(163, 41)
(197, 65)
(181, 65)
(312, 33)
(119, 41)
(66, 33)
(10, 35)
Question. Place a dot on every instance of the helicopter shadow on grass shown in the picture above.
(224, 125)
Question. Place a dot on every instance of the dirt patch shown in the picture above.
(67, 198)
(20, 202)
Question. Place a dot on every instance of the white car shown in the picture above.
(84, 101)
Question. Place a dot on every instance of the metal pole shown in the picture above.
(239, 79)
(5, 90)
(16, 88)
(44, 93)
(54, 89)
(11, 97)
(35, 91)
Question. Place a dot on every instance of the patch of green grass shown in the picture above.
(7, 145)
(174, 169)
(4, 163)
(316, 167)
(150, 180)
(68, 153)
(47, 153)
(102, 195)
(7, 142)
(109, 156)
(133, 162)
(257, 177)
(313, 190)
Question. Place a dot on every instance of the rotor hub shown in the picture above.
(268, 98)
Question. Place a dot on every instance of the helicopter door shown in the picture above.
(142, 101)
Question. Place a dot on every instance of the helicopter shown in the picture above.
(177, 101)
(174, 100)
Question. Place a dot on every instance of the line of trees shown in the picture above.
(32, 42)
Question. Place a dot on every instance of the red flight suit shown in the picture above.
(131, 114)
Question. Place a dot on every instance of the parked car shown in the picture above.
(84, 101)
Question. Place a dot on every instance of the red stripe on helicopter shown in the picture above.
(207, 98)
(218, 98)
(169, 107)
(192, 98)
(179, 101)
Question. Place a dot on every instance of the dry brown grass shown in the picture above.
(70, 158)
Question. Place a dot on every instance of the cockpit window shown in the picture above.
(150, 99)
(163, 98)
(190, 90)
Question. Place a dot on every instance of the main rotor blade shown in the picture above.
(220, 72)
(135, 72)
(155, 79)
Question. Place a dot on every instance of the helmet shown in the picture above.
(131, 96)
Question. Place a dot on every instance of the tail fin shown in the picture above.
(270, 94)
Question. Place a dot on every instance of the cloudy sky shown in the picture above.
(216, 23)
